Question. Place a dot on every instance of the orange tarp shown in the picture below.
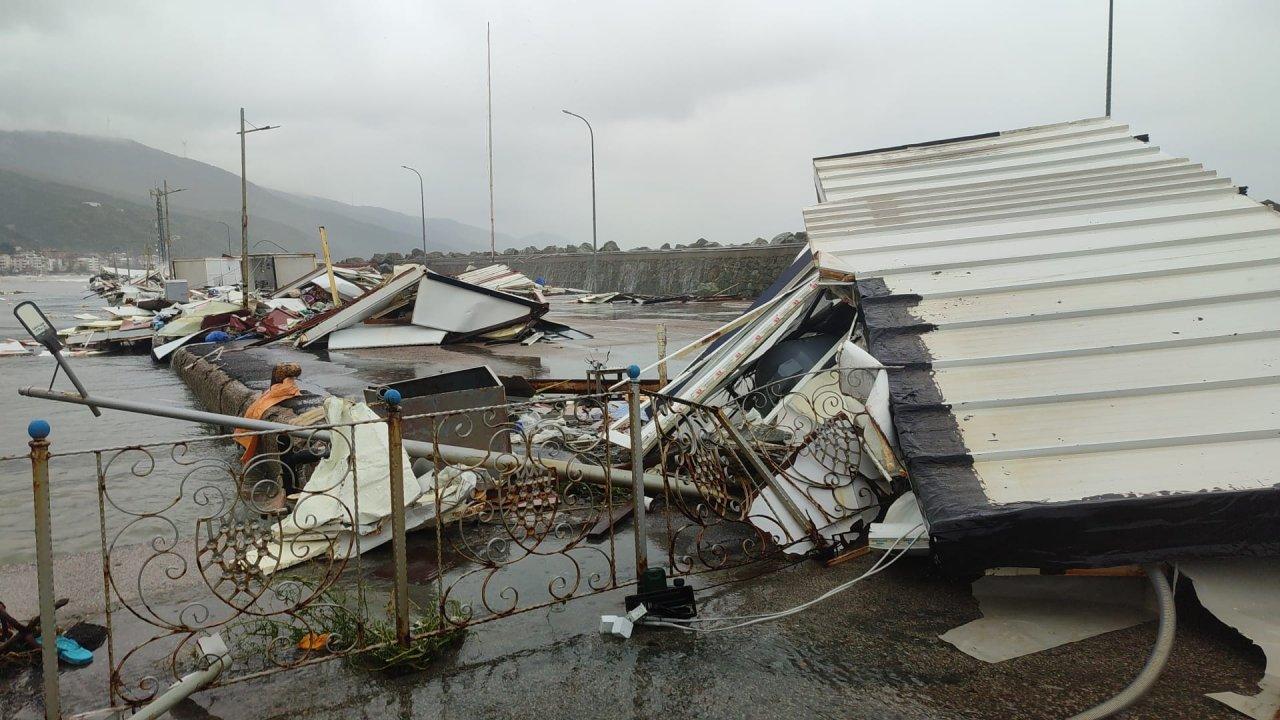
(274, 395)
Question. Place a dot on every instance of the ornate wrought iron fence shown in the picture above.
(505, 509)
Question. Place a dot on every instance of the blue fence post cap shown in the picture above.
(633, 371)
(38, 429)
(391, 397)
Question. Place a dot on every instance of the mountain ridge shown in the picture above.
(124, 170)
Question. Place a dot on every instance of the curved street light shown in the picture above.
(228, 227)
(256, 244)
(592, 134)
(422, 200)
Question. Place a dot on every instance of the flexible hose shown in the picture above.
(1155, 663)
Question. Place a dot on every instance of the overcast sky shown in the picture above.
(707, 114)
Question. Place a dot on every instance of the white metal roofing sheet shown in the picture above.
(1100, 317)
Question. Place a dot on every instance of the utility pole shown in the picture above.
(246, 276)
(488, 55)
(159, 216)
(164, 236)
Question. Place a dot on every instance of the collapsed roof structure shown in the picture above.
(1080, 338)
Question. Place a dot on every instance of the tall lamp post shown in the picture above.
(592, 134)
(246, 277)
(422, 200)
(228, 227)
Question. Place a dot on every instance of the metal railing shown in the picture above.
(505, 510)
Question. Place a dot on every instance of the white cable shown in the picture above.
(879, 566)
(871, 571)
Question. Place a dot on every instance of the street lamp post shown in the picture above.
(592, 134)
(228, 227)
(422, 200)
(246, 277)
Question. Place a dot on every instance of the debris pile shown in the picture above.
(338, 307)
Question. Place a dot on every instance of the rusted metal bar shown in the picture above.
(395, 459)
(662, 354)
(39, 432)
(767, 477)
(106, 576)
(637, 473)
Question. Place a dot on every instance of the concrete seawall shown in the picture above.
(740, 270)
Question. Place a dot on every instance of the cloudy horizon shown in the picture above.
(706, 116)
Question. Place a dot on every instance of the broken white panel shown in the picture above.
(1245, 594)
(109, 336)
(446, 305)
(343, 541)
(714, 370)
(1024, 614)
(330, 492)
(499, 277)
(205, 308)
(347, 290)
(286, 303)
(124, 311)
(13, 347)
(376, 336)
(364, 307)
(326, 505)
(864, 378)
(830, 493)
(902, 522)
(160, 352)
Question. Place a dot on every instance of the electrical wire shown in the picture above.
(879, 566)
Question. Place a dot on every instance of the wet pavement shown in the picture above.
(870, 652)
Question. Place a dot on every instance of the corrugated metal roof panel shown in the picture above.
(1086, 329)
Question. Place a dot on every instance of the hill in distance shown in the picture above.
(50, 182)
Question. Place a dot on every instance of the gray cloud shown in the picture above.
(706, 114)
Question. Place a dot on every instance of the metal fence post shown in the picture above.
(637, 473)
(395, 455)
(39, 431)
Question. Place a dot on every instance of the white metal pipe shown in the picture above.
(183, 689)
(653, 482)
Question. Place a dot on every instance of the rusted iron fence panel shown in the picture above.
(296, 552)
(538, 531)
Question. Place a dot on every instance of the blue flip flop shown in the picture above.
(71, 653)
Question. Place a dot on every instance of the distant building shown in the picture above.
(28, 262)
(91, 264)
(6, 263)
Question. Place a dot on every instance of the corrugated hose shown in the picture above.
(1155, 663)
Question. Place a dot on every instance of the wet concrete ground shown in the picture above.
(870, 652)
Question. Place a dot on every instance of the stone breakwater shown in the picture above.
(229, 385)
(739, 270)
